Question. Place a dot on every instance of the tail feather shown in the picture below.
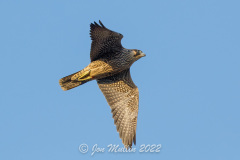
(66, 83)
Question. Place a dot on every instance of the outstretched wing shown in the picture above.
(122, 96)
(104, 41)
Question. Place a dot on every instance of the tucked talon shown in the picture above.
(110, 66)
(84, 79)
(84, 76)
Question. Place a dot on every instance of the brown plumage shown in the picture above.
(110, 66)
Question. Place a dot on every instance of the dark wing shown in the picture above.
(104, 41)
(122, 96)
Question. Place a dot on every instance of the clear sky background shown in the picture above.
(189, 82)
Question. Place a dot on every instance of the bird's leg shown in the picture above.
(84, 76)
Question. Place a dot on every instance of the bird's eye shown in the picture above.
(135, 53)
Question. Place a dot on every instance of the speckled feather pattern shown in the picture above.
(122, 96)
(110, 66)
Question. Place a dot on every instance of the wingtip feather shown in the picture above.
(101, 24)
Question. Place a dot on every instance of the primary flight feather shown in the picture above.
(110, 66)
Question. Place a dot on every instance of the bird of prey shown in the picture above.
(110, 66)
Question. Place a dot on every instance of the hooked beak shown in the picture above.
(142, 55)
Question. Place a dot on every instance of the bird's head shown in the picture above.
(136, 54)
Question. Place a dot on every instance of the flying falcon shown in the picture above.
(110, 66)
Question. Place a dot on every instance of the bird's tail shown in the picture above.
(75, 79)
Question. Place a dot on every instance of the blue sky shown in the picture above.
(189, 81)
